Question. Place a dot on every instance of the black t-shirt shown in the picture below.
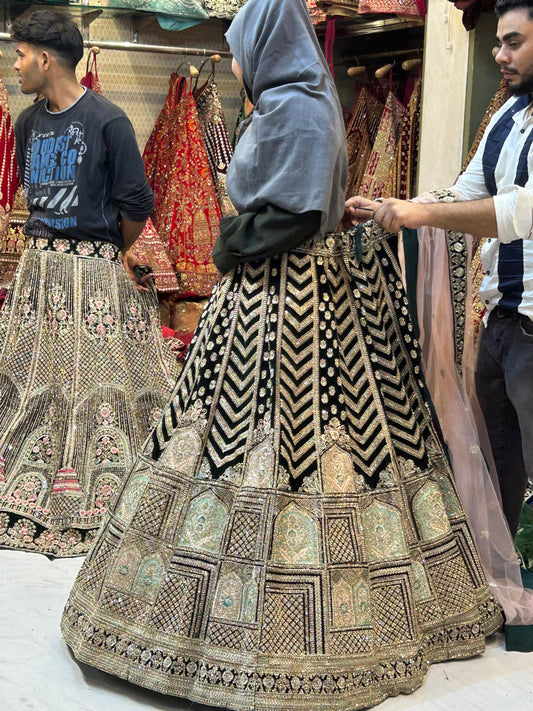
(81, 170)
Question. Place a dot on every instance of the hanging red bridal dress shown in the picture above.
(9, 248)
(186, 212)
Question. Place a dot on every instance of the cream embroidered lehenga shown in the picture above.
(291, 537)
(77, 396)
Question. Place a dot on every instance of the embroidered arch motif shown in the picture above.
(337, 471)
(296, 538)
(384, 534)
(183, 450)
(259, 468)
(125, 569)
(204, 524)
(429, 512)
(29, 487)
(148, 578)
(131, 496)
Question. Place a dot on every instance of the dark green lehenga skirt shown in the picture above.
(291, 537)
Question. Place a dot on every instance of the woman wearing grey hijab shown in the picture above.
(290, 537)
(288, 175)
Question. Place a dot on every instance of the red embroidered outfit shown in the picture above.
(186, 211)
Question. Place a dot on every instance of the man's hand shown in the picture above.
(142, 283)
(357, 210)
(394, 214)
(391, 213)
(475, 217)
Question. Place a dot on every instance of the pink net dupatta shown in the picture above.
(462, 425)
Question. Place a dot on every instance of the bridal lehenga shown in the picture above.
(291, 536)
(84, 374)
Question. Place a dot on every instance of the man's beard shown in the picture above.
(524, 87)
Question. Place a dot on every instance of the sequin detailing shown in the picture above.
(77, 399)
(314, 553)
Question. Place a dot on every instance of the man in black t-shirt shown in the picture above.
(84, 370)
(82, 172)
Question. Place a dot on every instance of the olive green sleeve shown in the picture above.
(257, 235)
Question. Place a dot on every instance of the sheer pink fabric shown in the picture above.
(463, 427)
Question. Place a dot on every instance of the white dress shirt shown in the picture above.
(513, 205)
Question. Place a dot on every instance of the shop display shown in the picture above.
(11, 243)
(186, 213)
(216, 138)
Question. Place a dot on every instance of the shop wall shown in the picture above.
(446, 51)
(138, 81)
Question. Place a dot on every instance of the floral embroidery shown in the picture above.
(385, 536)
(27, 315)
(42, 450)
(105, 414)
(106, 450)
(104, 250)
(137, 324)
(57, 314)
(23, 531)
(204, 524)
(99, 320)
(28, 489)
(104, 491)
(430, 512)
(149, 577)
(295, 537)
(131, 496)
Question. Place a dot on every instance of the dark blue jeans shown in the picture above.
(504, 385)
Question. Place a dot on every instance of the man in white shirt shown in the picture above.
(496, 201)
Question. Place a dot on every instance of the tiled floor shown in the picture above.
(38, 673)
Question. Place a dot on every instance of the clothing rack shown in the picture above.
(386, 54)
(136, 47)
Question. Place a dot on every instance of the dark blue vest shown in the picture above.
(511, 254)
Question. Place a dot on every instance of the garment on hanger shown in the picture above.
(246, 108)
(346, 8)
(396, 7)
(149, 249)
(317, 15)
(9, 180)
(401, 182)
(476, 269)
(90, 80)
(12, 242)
(384, 148)
(186, 213)
(171, 14)
(216, 139)
(360, 136)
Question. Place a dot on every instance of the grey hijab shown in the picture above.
(292, 151)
